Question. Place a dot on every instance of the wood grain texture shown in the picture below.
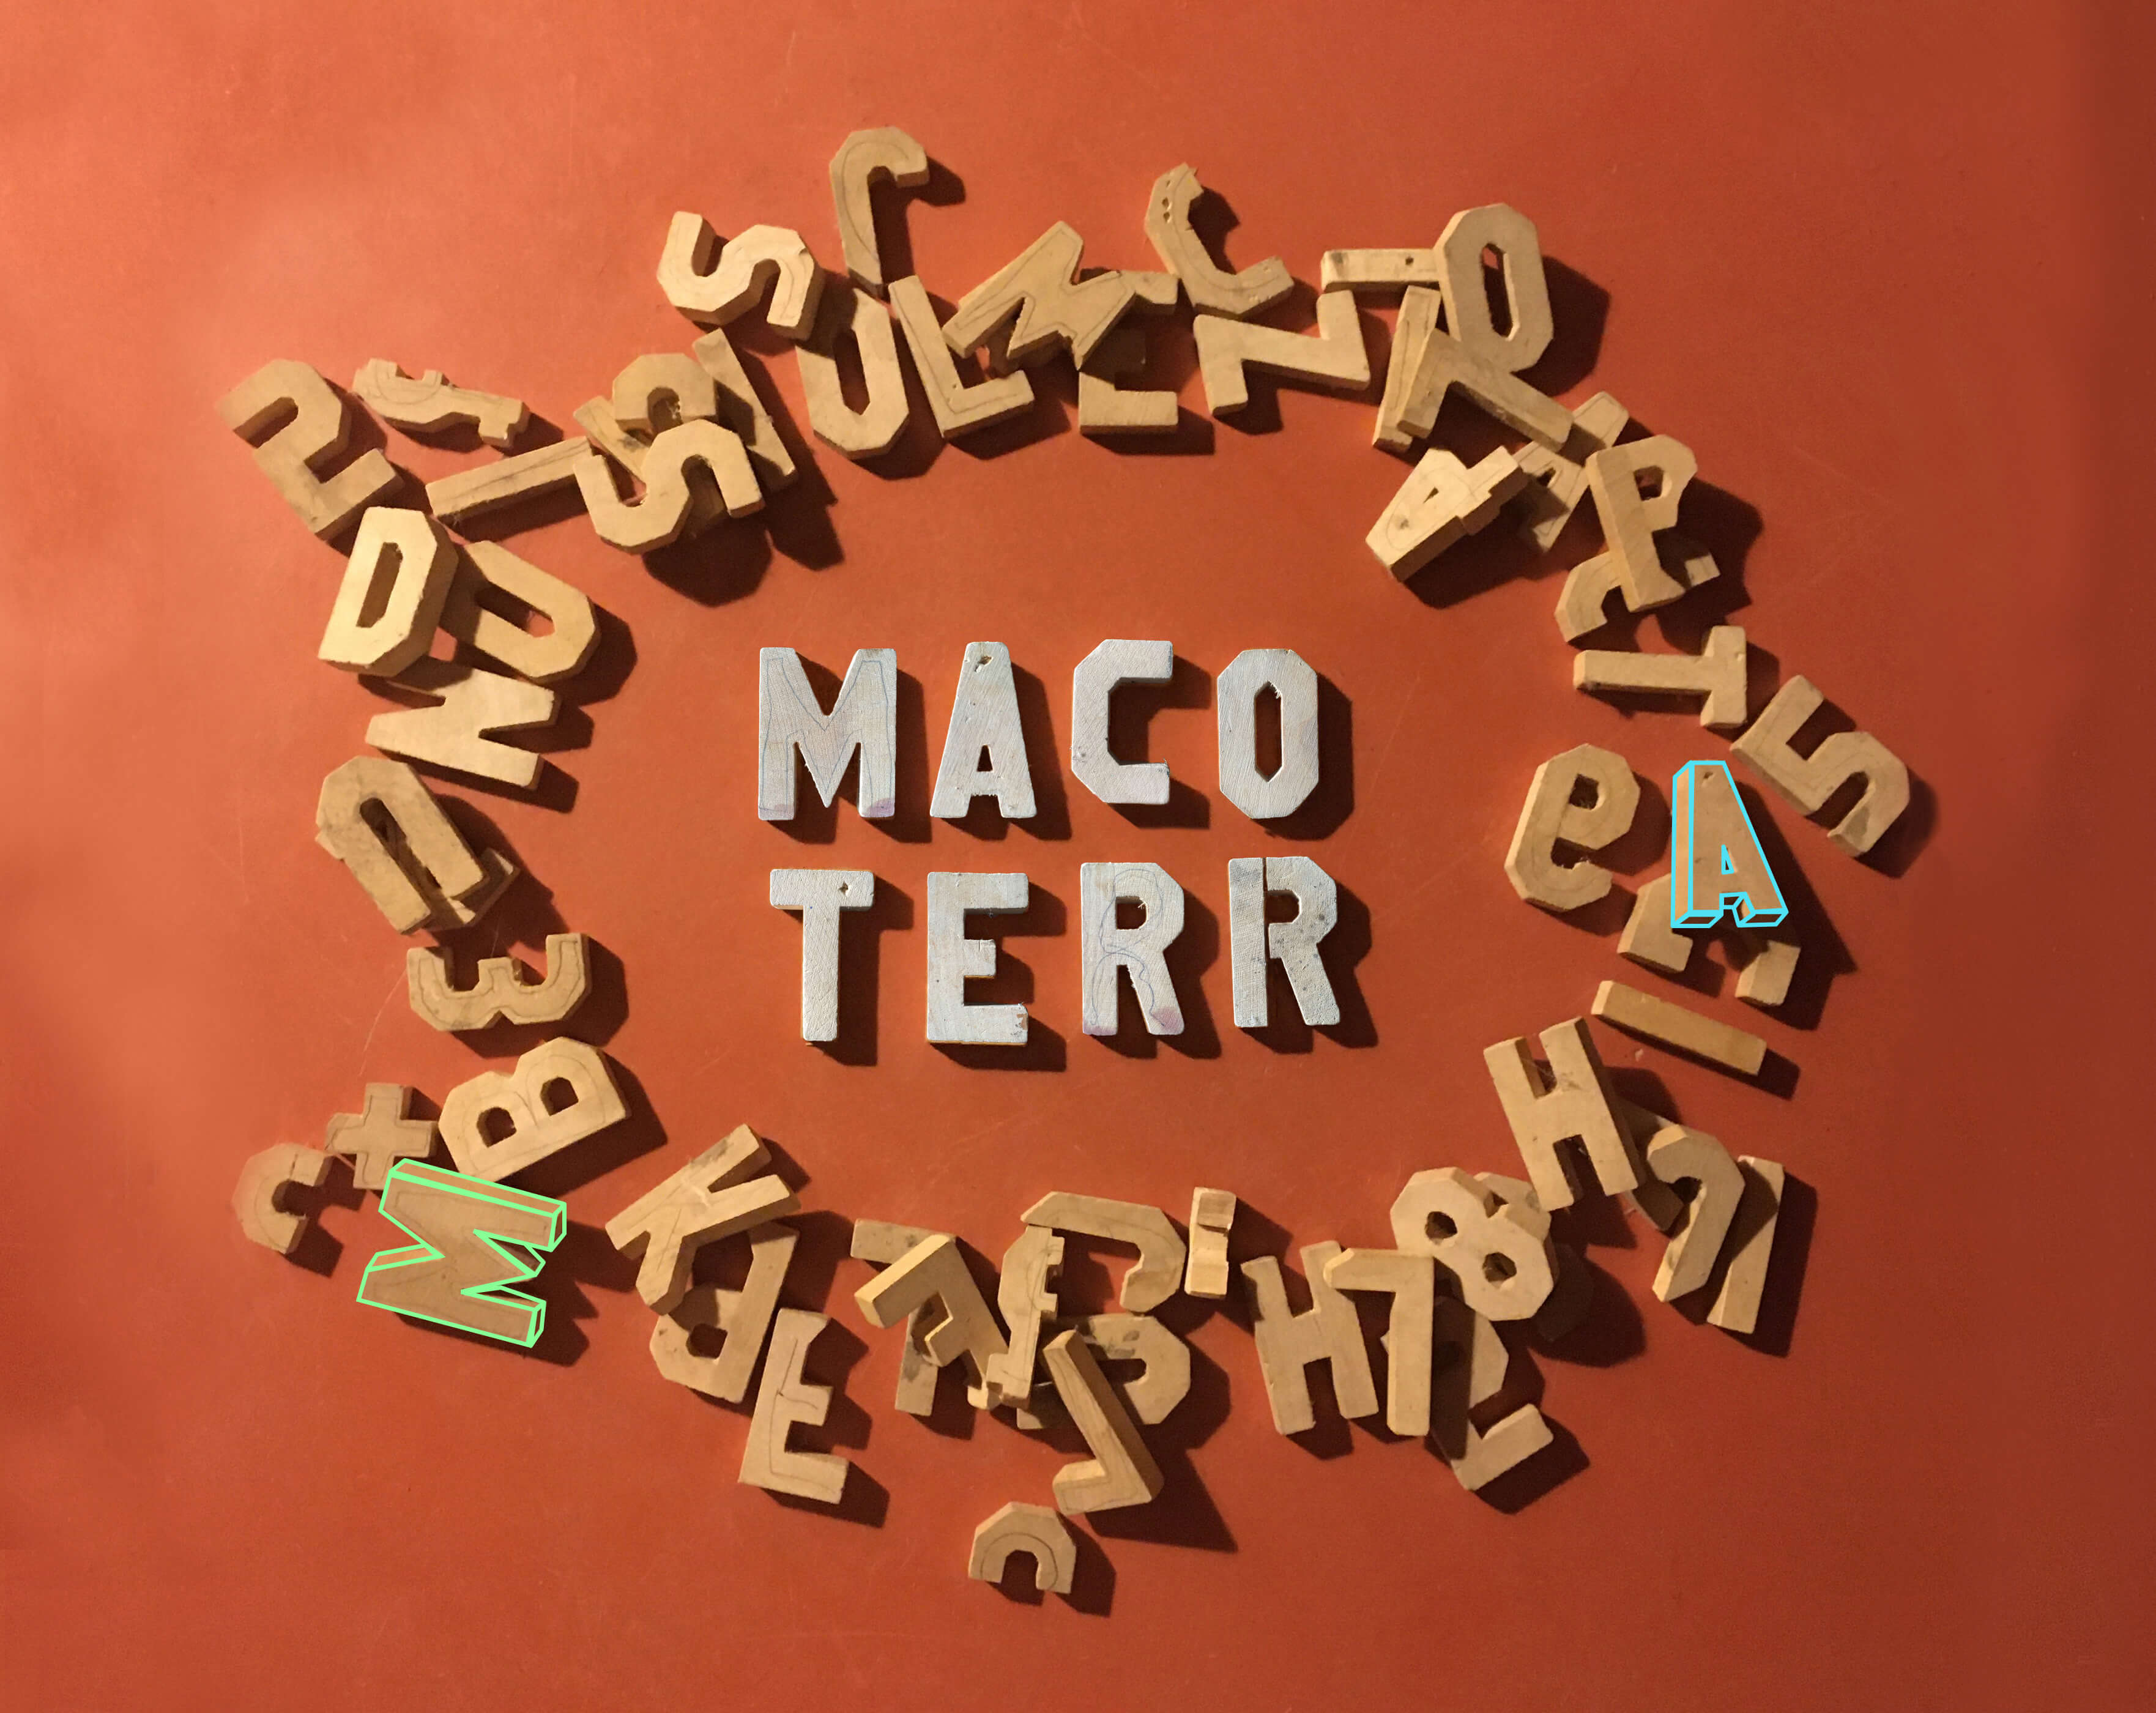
(1572, 1102)
(712, 1197)
(1122, 1471)
(1551, 816)
(297, 424)
(454, 731)
(538, 1124)
(1669, 1024)
(1334, 358)
(883, 155)
(499, 992)
(379, 1135)
(1223, 291)
(1768, 749)
(784, 1401)
(429, 404)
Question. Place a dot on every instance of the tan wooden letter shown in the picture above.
(1550, 817)
(317, 431)
(710, 1198)
(537, 1128)
(1575, 1102)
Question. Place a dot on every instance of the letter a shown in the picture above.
(1716, 863)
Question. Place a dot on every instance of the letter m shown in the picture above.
(790, 718)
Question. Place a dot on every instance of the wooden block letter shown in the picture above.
(1122, 1471)
(710, 1198)
(1025, 1293)
(1326, 1331)
(820, 894)
(1159, 1270)
(430, 403)
(1557, 480)
(1716, 674)
(742, 1316)
(864, 718)
(452, 732)
(1105, 946)
(959, 405)
(1212, 1216)
(1673, 1025)
(1551, 816)
(1411, 1281)
(741, 407)
(1106, 409)
(1251, 939)
(954, 959)
(488, 487)
(257, 1198)
(885, 153)
(573, 632)
(1044, 301)
(881, 1241)
(1471, 354)
(762, 259)
(645, 525)
(1630, 521)
(874, 429)
(391, 598)
(471, 1241)
(1441, 500)
(1164, 1381)
(984, 723)
(1181, 252)
(314, 430)
(1808, 781)
(1294, 686)
(1677, 1155)
(785, 1399)
(934, 1269)
(1750, 1246)
(1031, 1529)
(1716, 866)
(1575, 1102)
(501, 991)
(1116, 661)
(1335, 358)
(538, 1125)
(377, 819)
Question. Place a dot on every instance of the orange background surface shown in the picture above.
(1884, 269)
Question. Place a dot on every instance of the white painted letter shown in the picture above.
(819, 894)
(1235, 696)
(1251, 939)
(1106, 947)
(865, 716)
(1115, 662)
(984, 716)
(952, 958)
